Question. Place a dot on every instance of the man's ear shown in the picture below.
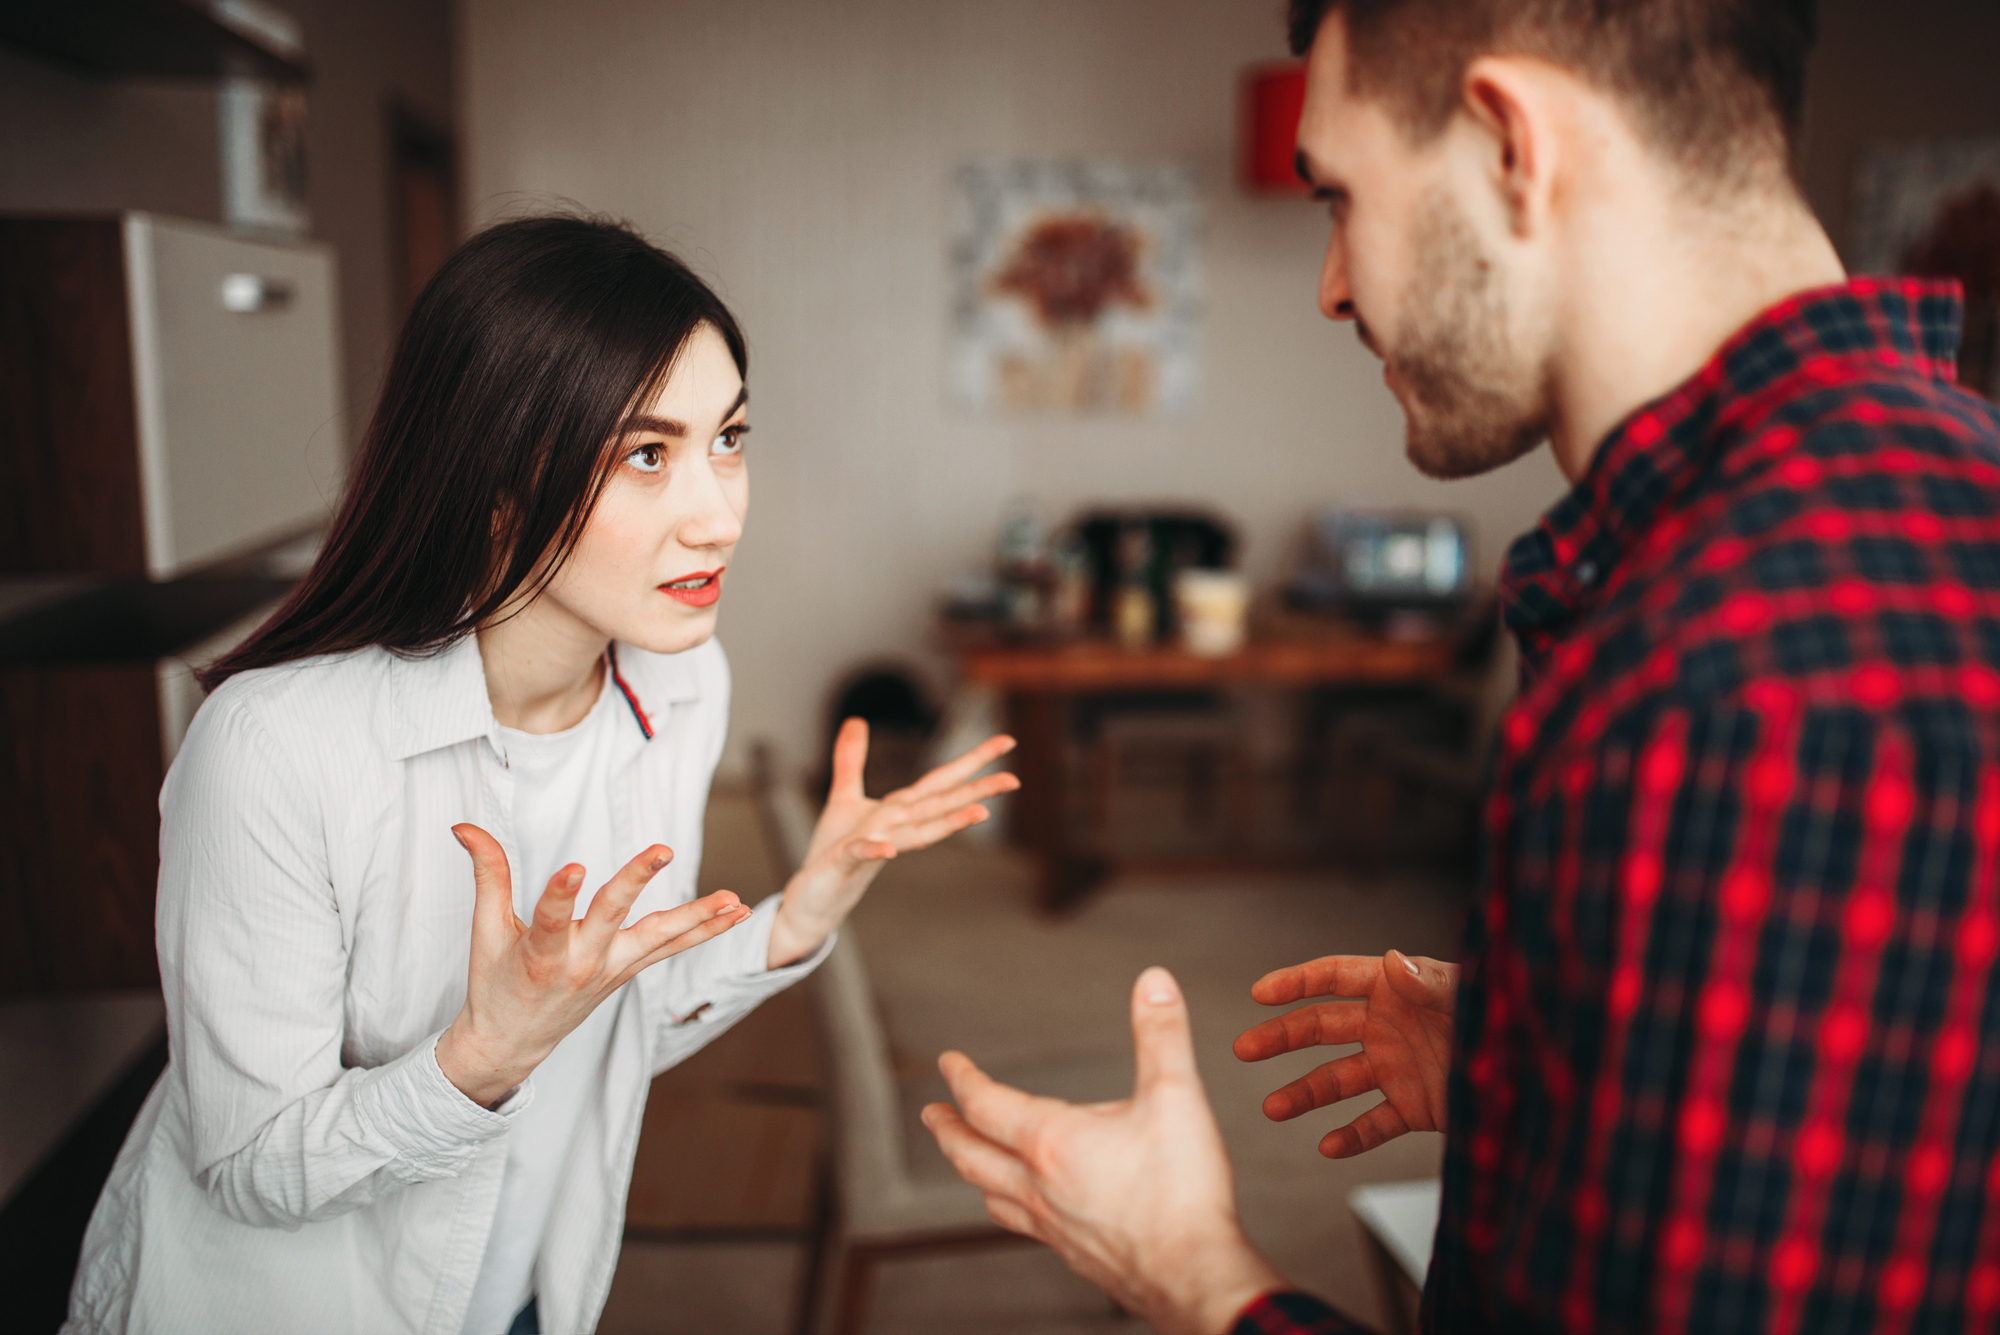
(1505, 103)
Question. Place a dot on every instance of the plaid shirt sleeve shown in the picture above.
(1294, 1314)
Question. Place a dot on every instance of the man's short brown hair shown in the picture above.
(1718, 84)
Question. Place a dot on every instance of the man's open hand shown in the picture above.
(1398, 1009)
(1136, 1196)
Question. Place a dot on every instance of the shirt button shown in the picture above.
(1586, 573)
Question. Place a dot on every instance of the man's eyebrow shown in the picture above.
(667, 426)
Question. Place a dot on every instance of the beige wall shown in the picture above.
(74, 144)
(799, 153)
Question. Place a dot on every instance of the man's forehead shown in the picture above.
(1332, 114)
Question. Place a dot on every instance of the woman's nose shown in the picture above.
(711, 520)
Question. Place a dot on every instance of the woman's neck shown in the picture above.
(544, 668)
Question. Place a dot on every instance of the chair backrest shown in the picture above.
(879, 1198)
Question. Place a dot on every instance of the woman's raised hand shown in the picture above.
(857, 833)
(530, 984)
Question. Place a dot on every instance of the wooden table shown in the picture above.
(1041, 682)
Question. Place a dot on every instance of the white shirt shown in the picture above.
(302, 1164)
(562, 814)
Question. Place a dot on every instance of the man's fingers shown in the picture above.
(958, 771)
(1422, 981)
(615, 898)
(1160, 1034)
(990, 1167)
(1327, 1023)
(1001, 1113)
(493, 883)
(1332, 976)
(1324, 1085)
(1380, 1123)
(850, 757)
(670, 931)
(1011, 1215)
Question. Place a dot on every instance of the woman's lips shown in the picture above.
(700, 589)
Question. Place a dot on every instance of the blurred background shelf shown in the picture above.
(141, 38)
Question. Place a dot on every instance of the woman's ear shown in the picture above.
(1508, 105)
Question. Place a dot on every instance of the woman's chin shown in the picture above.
(683, 630)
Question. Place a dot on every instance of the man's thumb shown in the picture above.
(1431, 985)
(1160, 1035)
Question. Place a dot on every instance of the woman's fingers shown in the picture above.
(549, 934)
(614, 901)
(668, 932)
(850, 757)
(959, 770)
(930, 808)
(858, 852)
(1328, 1084)
(493, 884)
(926, 833)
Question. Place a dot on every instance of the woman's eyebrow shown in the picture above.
(667, 426)
(661, 426)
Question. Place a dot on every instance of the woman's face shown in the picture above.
(648, 569)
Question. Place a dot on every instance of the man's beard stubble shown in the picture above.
(1471, 402)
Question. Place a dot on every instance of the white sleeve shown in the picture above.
(254, 965)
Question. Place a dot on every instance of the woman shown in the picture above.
(392, 1104)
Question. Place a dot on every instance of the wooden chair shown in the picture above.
(877, 1210)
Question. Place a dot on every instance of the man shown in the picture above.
(1725, 1054)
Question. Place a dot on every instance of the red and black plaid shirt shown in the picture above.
(1728, 1033)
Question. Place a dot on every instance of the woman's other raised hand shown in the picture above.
(857, 833)
(530, 984)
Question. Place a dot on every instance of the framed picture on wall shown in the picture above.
(1933, 208)
(1076, 287)
(264, 156)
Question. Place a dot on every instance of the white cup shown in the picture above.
(1214, 609)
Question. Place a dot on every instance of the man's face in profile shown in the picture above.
(1411, 259)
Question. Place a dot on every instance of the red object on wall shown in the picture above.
(1273, 96)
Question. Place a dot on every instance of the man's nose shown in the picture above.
(1336, 300)
(711, 520)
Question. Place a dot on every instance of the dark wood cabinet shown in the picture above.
(168, 408)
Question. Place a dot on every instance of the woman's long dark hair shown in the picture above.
(493, 436)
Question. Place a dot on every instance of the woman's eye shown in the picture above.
(730, 441)
(648, 458)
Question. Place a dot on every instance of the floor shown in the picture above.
(958, 957)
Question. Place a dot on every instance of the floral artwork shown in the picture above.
(1934, 209)
(1076, 288)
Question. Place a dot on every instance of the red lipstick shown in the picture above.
(700, 589)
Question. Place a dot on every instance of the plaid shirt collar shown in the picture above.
(1651, 459)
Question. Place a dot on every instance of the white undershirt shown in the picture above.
(561, 815)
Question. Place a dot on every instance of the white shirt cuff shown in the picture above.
(435, 1129)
